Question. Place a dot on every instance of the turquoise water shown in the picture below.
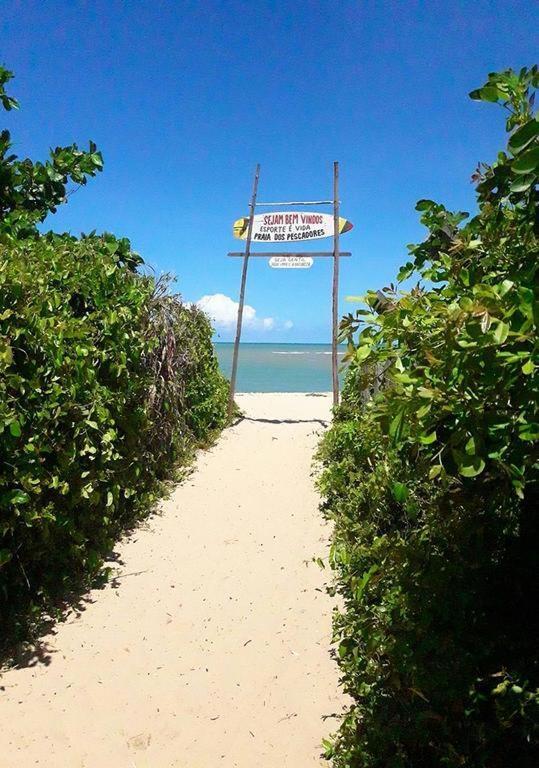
(279, 367)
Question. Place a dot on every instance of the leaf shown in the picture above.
(528, 431)
(404, 378)
(362, 584)
(527, 162)
(424, 205)
(97, 159)
(405, 271)
(522, 137)
(471, 466)
(8, 102)
(426, 393)
(434, 471)
(15, 428)
(6, 353)
(362, 353)
(427, 439)
(423, 410)
(328, 749)
(395, 427)
(500, 332)
(399, 491)
(345, 646)
(19, 497)
(486, 93)
(5, 556)
(485, 322)
(528, 367)
(506, 287)
(522, 183)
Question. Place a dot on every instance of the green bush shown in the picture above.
(30, 190)
(106, 382)
(432, 485)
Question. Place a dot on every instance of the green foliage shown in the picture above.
(30, 190)
(88, 419)
(432, 485)
(107, 384)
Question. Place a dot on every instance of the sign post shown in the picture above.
(335, 307)
(286, 227)
(242, 293)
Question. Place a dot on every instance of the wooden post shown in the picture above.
(335, 307)
(242, 294)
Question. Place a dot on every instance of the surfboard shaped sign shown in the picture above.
(291, 262)
(289, 226)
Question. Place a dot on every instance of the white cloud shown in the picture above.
(224, 312)
(288, 324)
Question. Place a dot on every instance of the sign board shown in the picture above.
(291, 262)
(286, 228)
(289, 226)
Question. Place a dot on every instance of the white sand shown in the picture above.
(212, 647)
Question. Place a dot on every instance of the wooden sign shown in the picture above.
(290, 262)
(289, 226)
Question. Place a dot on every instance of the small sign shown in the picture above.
(289, 226)
(291, 262)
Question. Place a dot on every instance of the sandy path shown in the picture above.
(212, 647)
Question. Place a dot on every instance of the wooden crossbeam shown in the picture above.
(270, 254)
(301, 202)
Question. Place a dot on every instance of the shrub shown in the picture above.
(106, 381)
(432, 485)
(30, 190)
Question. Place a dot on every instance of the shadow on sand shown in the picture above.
(320, 422)
(33, 650)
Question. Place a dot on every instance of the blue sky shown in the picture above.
(184, 98)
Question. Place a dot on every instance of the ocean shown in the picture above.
(279, 367)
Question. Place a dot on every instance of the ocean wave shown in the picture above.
(308, 352)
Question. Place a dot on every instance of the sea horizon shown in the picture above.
(275, 367)
(282, 343)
